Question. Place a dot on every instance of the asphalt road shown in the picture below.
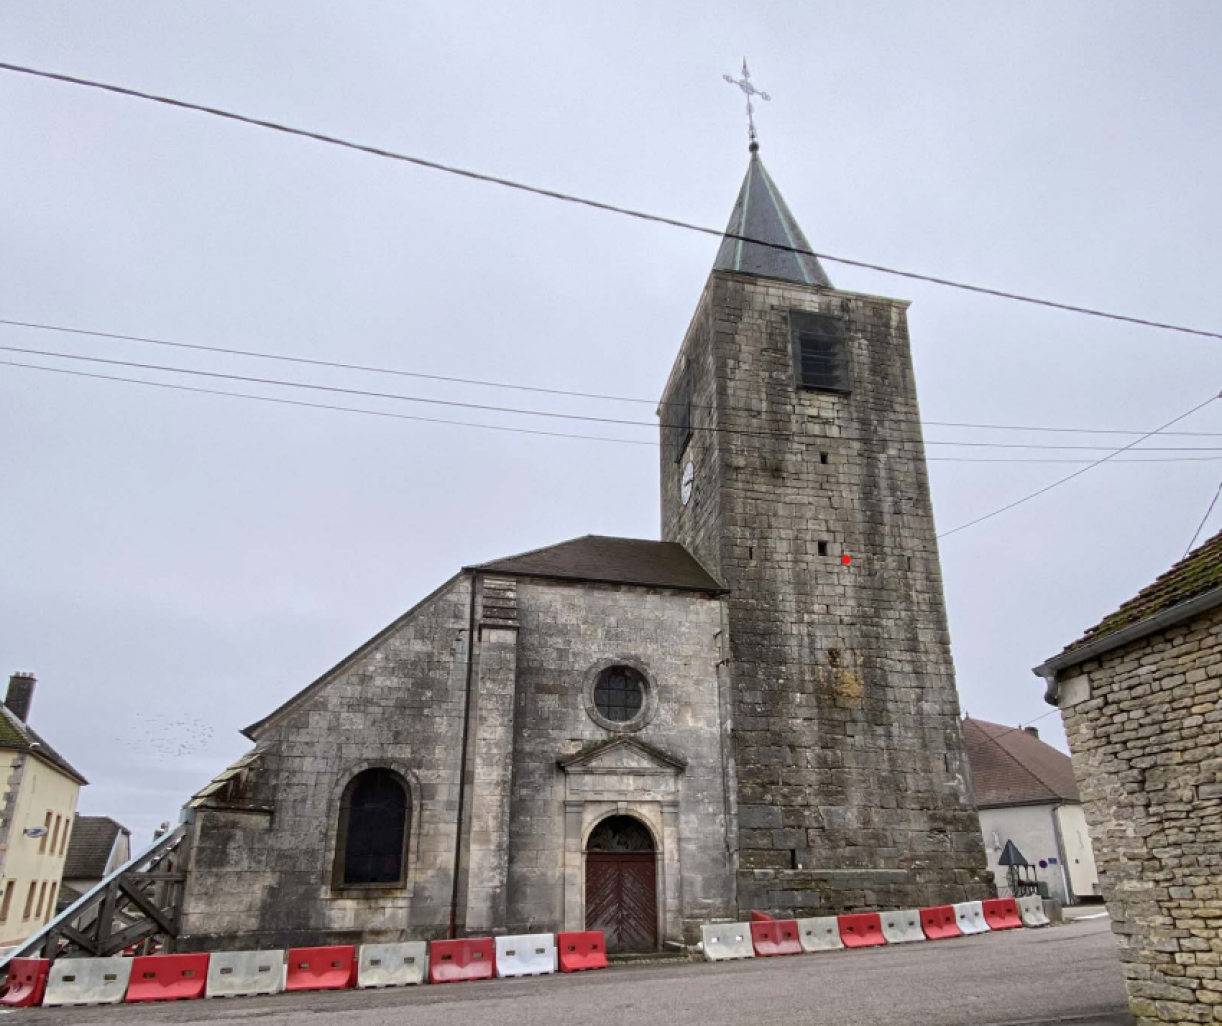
(1066, 974)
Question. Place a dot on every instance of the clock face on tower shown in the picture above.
(686, 482)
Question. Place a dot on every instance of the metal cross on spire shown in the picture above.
(748, 87)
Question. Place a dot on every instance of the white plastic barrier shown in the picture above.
(392, 965)
(723, 941)
(902, 927)
(970, 917)
(821, 933)
(526, 954)
(1032, 910)
(245, 973)
(87, 981)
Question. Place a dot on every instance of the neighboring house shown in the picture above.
(1026, 794)
(36, 812)
(1141, 697)
(99, 846)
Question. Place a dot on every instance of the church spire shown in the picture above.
(761, 213)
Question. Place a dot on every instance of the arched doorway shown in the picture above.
(621, 884)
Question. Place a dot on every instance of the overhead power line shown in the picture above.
(505, 427)
(1200, 527)
(1076, 473)
(484, 383)
(518, 411)
(322, 406)
(996, 738)
(508, 183)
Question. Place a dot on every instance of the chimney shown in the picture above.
(20, 694)
(1033, 731)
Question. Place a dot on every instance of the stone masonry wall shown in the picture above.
(569, 632)
(1145, 728)
(264, 879)
(853, 785)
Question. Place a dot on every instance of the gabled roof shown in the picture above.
(18, 736)
(761, 213)
(599, 559)
(90, 845)
(1012, 767)
(1187, 585)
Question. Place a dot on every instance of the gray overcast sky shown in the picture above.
(174, 566)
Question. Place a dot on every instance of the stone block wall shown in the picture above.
(261, 876)
(568, 633)
(1145, 729)
(853, 785)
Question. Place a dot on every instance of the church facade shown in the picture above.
(757, 712)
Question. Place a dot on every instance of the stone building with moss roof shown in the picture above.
(1141, 697)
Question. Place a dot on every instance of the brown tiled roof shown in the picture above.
(1198, 572)
(612, 560)
(1012, 767)
(89, 847)
(22, 737)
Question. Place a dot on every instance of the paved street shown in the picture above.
(1066, 974)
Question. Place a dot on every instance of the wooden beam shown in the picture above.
(146, 905)
(79, 939)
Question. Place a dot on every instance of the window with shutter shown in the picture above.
(820, 352)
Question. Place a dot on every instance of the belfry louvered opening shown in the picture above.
(820, 351)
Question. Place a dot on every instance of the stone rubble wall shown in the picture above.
(1145, 728)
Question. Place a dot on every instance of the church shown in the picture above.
(757, 712)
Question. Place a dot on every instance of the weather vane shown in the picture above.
(748, 87)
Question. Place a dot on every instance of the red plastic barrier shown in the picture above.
(762, 917)
(578, 951)
(167, 978)
(776, 937)
(939, 922)
(27, 980)
(454, 961)
(321, 968)
(1002, 914)
(861, 931)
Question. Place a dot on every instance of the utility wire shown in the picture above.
(596, 204)
(365, 393)
(1197, 533)
(322, 406)
(1076, 473)
(524, 431)
(370, 368)
(995, 738)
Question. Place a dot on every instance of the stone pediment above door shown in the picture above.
(622, 769)
(619, 754)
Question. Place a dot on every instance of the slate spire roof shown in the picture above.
(761, 213)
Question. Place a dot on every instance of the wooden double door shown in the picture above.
(622, 886)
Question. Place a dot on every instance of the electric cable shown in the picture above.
(508, 183)
(1076, 473)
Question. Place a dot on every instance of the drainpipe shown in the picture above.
(1070, 898)
(462, 773)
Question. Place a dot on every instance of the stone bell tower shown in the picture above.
(793, 466)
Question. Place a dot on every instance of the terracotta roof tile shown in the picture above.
(1012, 767)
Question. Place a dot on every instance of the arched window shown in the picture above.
(374, 821)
